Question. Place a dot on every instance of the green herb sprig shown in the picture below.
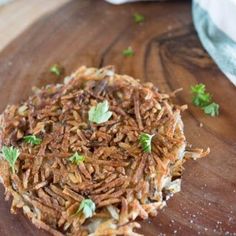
(138, 18)
(212, 109)
(145, 141)
(203, 100)
(128, 52)
(99, 113)
(77, 158)
(88, 207)
(56, 70)
(10, 154)
(32, 139)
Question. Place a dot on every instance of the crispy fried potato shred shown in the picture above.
(124, 182)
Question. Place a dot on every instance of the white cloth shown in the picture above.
(214, 21)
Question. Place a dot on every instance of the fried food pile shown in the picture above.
(87, 178)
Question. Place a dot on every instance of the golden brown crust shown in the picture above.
(124, 182)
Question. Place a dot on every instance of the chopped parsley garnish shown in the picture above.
(88, 207)
(145, 141)
(56, 70)
(77, 158)
(212, 109)
(200, 97)
(10, 154)
(138, 18)
(99, 113)
(128, 52)
(204, 100)
(32, 139)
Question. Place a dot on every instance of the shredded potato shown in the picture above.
(124, 182)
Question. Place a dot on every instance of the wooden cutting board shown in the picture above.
(167, 53)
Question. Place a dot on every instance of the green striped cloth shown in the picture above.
(215, 21)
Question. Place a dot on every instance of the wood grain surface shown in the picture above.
(17, 15)
(168, 53)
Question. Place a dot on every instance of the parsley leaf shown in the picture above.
(198, 88)
(77, 158)
(99, 113)
(32, 139)
(128, 52)
(204, 100)
(88, 207)
(10, 155)
(56, 70)
(212, 109)
(138, 18)
(146, 142)
(200, 97)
